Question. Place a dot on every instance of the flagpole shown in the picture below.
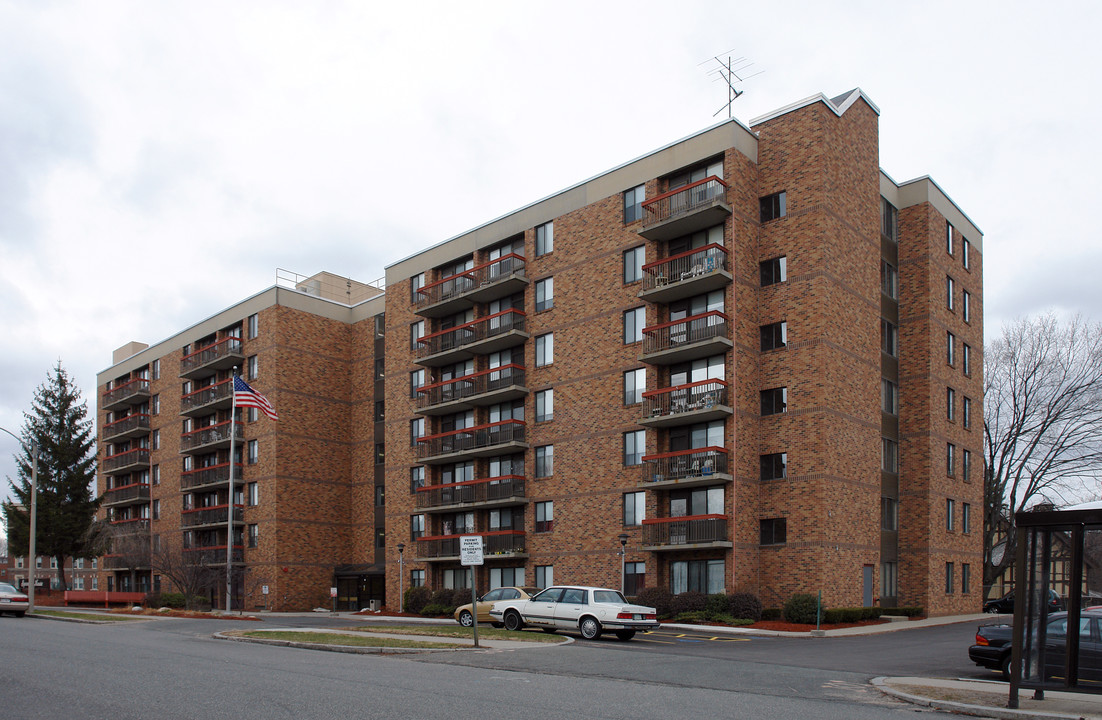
(229, 513)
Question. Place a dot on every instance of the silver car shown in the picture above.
(12, 601)
(589, 610)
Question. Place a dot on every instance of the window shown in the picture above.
(635, 575)
(252, 414)
(966, 306)
(157, 369)
(965, 577)
(155, 440)
(416, 430)
(889, 226)
(253, 452)
(950, 404)
(889, 280)
(545, 294)
(774, 466)
(889, 455)
(416, 332)
(380, 369)
(416, 380)
(545, 238)
(704, 576)
(965, 251)
(416, 478)
(966, 359)
(966, 466)
(253, 494)
(380, 453)
(545, 461)
(889, 338)
(774, 531)
(545, 516)
(253, 535)
(416, 526)
(889, 397)
(774, 401)
(254, 326)
(545, 405)
(380, 325)
(380, 538)
(965, 518)
(635, 383)
(415, 284)
(156, 509)
(950, 515)
(773, 206)
(950, 348)
(633, 204)
(545, 349)
(949, 578)
(948, 237)
(774, 336)
(774, 271)
(416, 578)
(889, 513)
(155, 474)
(634, 320)
(635, 508)
(380, 496)
(966, 412)
(950, 459)
(633, 264)
(635, 444)
(155, 405)
(545, 575)
(380, 411)
(253, 367)
(949, 292)
(889, 579)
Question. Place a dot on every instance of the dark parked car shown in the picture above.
(993, 646)
(1005, 604)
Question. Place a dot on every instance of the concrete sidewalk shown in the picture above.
(985, 698)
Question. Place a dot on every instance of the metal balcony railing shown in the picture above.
(685, 266)
(129, 392)
(211, 436)
(137, 457)
(472, 333)
(212, 554)
(214, 515)
(207, 396)
(471, 439)
(686, 331)
(687, 398)
(137, 492)
(211, 475)
(684, 200)
(688, 530)
(138, 559)
(681, 464)
(500, 542)
(217, 356)
(127, 426)
(130, 525)
(477, 281)
(487, 490)
(470, 386)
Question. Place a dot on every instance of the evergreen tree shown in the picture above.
(67, 504)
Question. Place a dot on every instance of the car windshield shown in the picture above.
(4, 587)
(608, 596)
(548, 595)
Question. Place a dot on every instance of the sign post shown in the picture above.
(470, 554)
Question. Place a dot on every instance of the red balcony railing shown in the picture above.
(207, 395)
(470, 386)
(129, 425)
(136, 492)
(127, 459)
(470, 333)
(684, 266)
(684, 200)
(469, 281)
(474, 438)
(687, 530)
(214, 515)
(138, 389)
(485, 490)
(686, 331)
(211, 435)
(699, 395)
(500, 542)
(222, 353)
(680, 464)
(210, 475)
(131, 525)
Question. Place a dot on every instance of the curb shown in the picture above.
(882, 684)
(351, 649)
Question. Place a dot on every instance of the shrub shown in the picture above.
(168, 599)
(657, 598)
(802, 608)
(416, 598)
(689, 601)
(771, 614)
(433, 609)
(716, 604)
(904, 611)
(745, 605)
(692, 616)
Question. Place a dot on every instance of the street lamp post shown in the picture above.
(401, 576)
(34, 516)
(623, 557)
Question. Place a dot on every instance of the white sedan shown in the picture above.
(589, 610)
(12, 601)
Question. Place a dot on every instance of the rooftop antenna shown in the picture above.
(730, 72)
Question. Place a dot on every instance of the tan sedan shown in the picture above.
(463, 612)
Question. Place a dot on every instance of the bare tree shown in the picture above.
(1042, 423)
(193, 573)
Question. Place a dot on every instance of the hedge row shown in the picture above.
(717, 607)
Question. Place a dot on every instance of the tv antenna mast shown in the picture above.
(730, 72)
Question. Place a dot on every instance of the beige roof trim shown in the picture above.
(924, 189)
(844, 102)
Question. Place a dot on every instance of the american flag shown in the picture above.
(245, 396)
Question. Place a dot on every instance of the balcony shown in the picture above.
(212, 554)
(207, 360)
(482, 441)
(129, 561)
(212, 437)
(214, 516)
(690, 338)
(500, 544)
(128, 461)
(699, 401)
(488, 387)
(456, 293)
(126, 495)
(132, 392)
(131, 426)
(687, 274)
(129, 526)
(685, 533)
(686, 468)
(685, 210)
(207, 399)
(207, 477)
(479, 337)
(486, 493)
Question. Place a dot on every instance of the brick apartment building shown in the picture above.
(749, 360)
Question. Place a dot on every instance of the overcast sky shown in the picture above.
(159, 161)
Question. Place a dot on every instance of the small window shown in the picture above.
(966, 306)
(380, 325)
(545, 576)
(380, 496)
(415, 284)
(380, 538)
(773, 271)
(253, 366)
(157, 369)
(253, 494)
(949, 292)
(155, 405)
(889, 514)
(965, 518)
(545, 239)
(774, 336)
(545, 405)
(634, 321)
(774, 531)
(380, 453)
(965, 578)
(254, 535)
(889, 280)
(416, 478)
(545, 461)
(155, 440)
(950, 515)
(774, 466)
(889, 397)
(254, 326)
(965, 357)
(545, 294)
(635, 508)
(635, 444)
(889, 338)
(380, 411)
(416, 578)
(633, 264)
(949, 578)
(950, 348)
(545, 516)
(966, 465)
(966, 412)
(950, 404)
(635, 384)
(774, 401)
(965, 252)
(156, 509)
(948, 237)
(950, 459)
(545, 349)
(155, 473)
(416, 430)
(889, 228)
(416, 380)
(773, 207)
(889, 455)
(416, 332)
(633, 204)
(254, 452)
(380, 370)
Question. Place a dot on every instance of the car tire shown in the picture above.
(589, 627)
(625, 635)
(497, 625)
(466, 619)
(513, 621)
(1004, 667)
